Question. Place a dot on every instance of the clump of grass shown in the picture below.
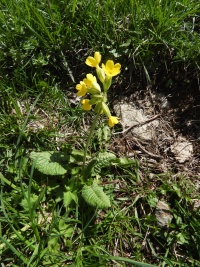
(39, 40)
(37, 229)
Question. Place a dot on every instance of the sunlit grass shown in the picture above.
(43, 45)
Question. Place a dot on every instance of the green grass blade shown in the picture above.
(136, 263)
(14, 250)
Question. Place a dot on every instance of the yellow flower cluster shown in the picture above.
(90, 86)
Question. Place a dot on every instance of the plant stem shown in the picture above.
(6, 181)
(89, 138)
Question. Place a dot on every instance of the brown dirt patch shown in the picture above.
(178, 116)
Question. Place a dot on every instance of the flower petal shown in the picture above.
(110, 64)
(111, 69)
(89, 79)
(85, 104)
(90, 61)
(82, 89)
(97, 57)
(112, 120)
(93, 61)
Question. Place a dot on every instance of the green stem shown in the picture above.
(89, 138)
(6, 181)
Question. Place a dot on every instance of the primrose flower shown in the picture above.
(94, 61)
(82, 89)
(111, 69)
(89, 79)
(112, 120)
(85, 104)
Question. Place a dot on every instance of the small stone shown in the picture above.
(196, 203)
(129, 115)
(182, 149)
(163, 214)
(35, 126)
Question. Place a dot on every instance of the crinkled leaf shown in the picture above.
(50, 162)
(125, 162)
(104, 134)
(108, 155)
(104, 160)
(95, 196)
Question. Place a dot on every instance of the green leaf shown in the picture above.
(53, 245)
(77, 155)
(68, 197)
(88, 171)
(95, 196)
(107, 155)
(50, 162)
(103, 134)
(24, 203)
(104, 160)
(125, 162)
(65, 229)
(14, 250)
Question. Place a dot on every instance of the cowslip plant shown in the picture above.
(98, 97)
(81, 172)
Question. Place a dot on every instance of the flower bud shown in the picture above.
(106, 109)
(98, 108)
(107, 83)
(95, 99)
(101, 74)
(93, 91)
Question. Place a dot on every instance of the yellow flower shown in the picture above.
(94, 61)
(112, 120)
(82, 89)
(111, 69)
(89, 79)
(85, 104)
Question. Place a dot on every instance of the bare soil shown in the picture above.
(178, 114)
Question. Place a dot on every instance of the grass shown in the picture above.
(43, 49)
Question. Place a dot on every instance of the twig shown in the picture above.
(138, 124)
(145, 151)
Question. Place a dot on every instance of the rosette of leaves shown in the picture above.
(59, 163)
